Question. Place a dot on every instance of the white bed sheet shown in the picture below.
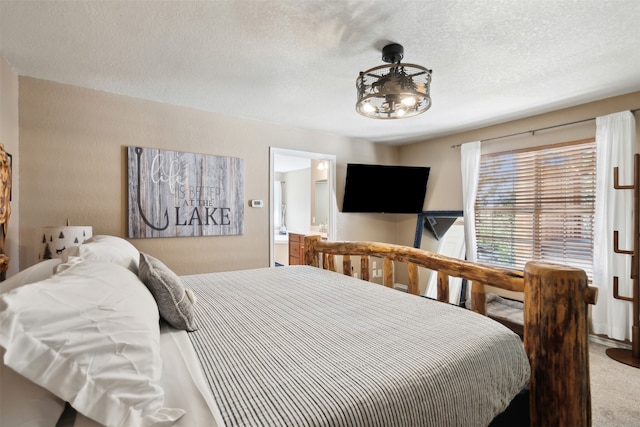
(183, 382)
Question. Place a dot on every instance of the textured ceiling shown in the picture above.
(295, 62)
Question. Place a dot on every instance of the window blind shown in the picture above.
(537, 204)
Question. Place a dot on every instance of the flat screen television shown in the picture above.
(385, 189)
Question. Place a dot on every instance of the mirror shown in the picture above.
(321, 213)
(320, 196)
(441, 232)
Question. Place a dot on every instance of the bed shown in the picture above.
(296, 345)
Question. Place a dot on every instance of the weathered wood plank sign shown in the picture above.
(177, 194)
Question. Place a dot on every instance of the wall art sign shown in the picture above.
(177, 194)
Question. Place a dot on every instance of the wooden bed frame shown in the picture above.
(556, 302)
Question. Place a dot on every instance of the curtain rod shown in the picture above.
(533, 131)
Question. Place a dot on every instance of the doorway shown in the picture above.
(301, 195)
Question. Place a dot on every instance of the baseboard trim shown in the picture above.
(608, 342)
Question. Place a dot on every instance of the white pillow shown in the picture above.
(35, 273)
(90, 335)
(108, 249)
(23, 403)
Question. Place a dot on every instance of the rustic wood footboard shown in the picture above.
(556, 299)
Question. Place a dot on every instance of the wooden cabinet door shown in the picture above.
(296, 249)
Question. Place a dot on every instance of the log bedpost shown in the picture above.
(412, 271)
(443, 287)
(364, 268)
(311, 256)
(556, 340)
(388, 273)
(329, 262)
(478, 298)
(346, 265)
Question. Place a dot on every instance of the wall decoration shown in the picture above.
(5, 207)
(177, 194)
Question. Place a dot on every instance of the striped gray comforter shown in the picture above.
(300, 346)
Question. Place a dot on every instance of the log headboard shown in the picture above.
(556, 300)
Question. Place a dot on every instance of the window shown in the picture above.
(537, 204)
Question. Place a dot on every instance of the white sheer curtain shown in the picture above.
(615, 141)
(470, 165)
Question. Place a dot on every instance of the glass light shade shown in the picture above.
(393, 91)
(408, 101)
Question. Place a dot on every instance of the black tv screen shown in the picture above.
(385, 189)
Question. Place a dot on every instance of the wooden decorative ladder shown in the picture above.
(630, 357)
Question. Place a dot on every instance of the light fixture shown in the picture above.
(393, 91)
(55, 240)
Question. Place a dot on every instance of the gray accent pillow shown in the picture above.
(175, 302)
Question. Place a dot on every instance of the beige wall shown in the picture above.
(73, 150)
(445, 181)
(73, 146)
(9, 135)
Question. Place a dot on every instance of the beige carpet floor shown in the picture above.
(615, 390)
